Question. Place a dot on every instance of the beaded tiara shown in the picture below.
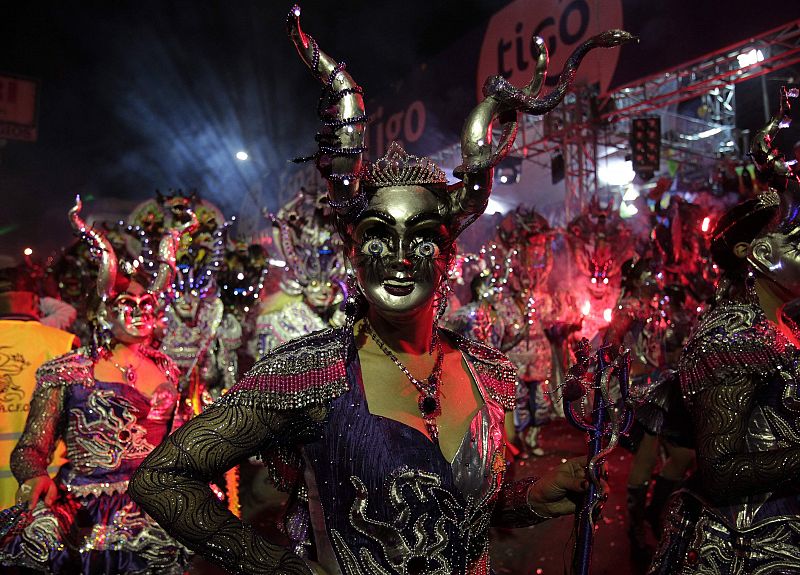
(398, 168)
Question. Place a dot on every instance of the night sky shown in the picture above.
(139, 96)
(146, 95)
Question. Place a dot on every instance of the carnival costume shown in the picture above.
(477, 319)
(200, 336)
(530, 312)
(108, 427)
(382, 497)
(740, 376)
(313, 276)
(748, 521)
(515, 312)
(600, 242)
(639, 324)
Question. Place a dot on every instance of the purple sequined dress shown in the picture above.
(108, 428)
(382, 499)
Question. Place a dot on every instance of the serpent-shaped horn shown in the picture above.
(504, 102)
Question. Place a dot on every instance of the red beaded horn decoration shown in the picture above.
(339, 158)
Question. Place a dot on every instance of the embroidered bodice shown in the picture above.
(740, 376)
(107, 427)
(382, 498)
(436, 517)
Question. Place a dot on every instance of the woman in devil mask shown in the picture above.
(393, 425)
(740, 379)
(110, 403)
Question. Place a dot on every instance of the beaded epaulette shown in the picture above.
(68, 369)
(307, 370)
(164, 363)
(498, 373)
(732, 338)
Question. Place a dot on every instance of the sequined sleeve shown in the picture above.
(724, 369)
(721, 415)
(172, 484)
(34, 451)
(512, 508)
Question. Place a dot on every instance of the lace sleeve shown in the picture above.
(721, 414)
(34, 451)
(512, 508)
(172, 486)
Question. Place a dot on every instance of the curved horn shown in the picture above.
(766, 157)
(772, 165)
(528, 104)
(504, 101)
(167, 248)
(107, 275)
(341, 109)
(476, 141)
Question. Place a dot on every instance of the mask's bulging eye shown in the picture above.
(425, 249)
(375, 247)
(125, 308)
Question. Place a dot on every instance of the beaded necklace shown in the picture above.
(428, 402)
(129, 372)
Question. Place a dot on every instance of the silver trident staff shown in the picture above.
(607, 421)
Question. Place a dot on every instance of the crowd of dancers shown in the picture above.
(145, 361)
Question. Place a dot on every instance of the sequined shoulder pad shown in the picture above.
(307, 370)
(165, 364)
(498, 373)
(732, 338)
(68, 369)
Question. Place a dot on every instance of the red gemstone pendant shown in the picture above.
(130, 375)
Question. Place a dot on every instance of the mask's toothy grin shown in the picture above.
(399, 286)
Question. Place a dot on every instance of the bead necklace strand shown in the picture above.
(429, 404)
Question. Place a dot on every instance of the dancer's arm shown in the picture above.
(533, 500)
(172, 485)
(722, 414)
(34, 451)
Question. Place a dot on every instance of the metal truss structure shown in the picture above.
(587, 126)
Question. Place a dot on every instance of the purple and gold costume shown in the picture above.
(108, 428)
(381, 497)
